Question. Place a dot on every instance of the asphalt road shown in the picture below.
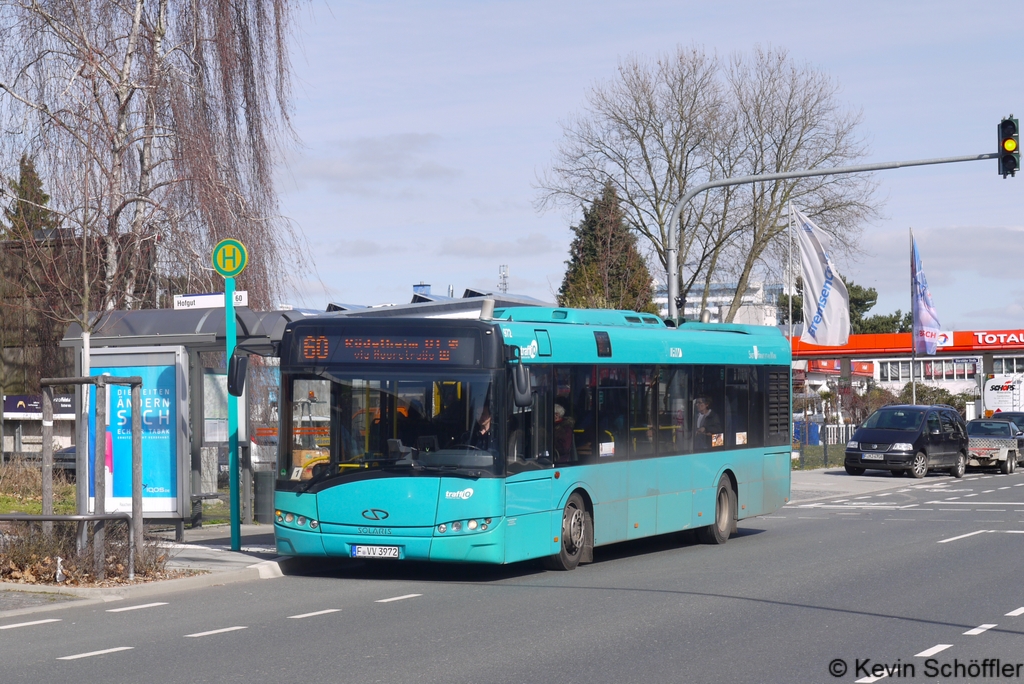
(913, 575)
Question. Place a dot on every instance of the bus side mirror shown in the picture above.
(237, 368)
(521, 390)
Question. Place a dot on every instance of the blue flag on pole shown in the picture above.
(926, 319)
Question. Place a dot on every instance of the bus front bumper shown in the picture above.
(485, 546)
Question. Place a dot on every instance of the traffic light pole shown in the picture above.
(675, 229)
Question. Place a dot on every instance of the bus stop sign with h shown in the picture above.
(229, 260)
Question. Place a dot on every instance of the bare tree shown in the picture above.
(665, 126)
(156, 125)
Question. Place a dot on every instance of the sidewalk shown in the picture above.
(206, 550)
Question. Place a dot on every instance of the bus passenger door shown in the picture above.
(529, 471)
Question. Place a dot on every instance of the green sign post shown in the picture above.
(229, 259)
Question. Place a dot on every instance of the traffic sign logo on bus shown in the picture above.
(230, 257)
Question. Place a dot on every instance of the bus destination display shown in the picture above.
(389, 349)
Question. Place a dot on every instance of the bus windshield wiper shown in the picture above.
(457, 470)
(319, 477)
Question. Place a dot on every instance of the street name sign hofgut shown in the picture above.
(210, 300)
(230, 258)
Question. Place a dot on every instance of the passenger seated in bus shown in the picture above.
(708, 425)
(563, 436)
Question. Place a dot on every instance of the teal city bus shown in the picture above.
(531, 433)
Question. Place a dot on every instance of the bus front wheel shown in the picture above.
(574, 535)
(725, 512)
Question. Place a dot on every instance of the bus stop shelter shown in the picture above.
(172, 342)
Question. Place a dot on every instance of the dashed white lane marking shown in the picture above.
(975, 503)
(1020, 484)
(969, 495)
(870, 680)
(988, 491)
(96, 653)
(937, 648)
(1015, 613)
(214, 631)
(857, 498)
(1003, 488)
(978, 630)
(886, 494)
(963, 536)
(319, 612)
(398, 598)
(144, 605)
(840, 501)
(952, 498)
(29, 624)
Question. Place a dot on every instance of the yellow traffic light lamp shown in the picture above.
(1009, 146)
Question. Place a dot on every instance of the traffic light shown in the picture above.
(1009, 146)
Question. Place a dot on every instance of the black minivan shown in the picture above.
(909, 440)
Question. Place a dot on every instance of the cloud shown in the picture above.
(534, 244)
(359, 249)
(378, 166)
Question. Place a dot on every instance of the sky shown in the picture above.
(423, 128)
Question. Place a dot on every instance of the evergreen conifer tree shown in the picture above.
(605, 269)
(27, 216)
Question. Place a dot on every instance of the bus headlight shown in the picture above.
(471, 524)
(300, 521)
(278, 516)
(313, 524)
(442, 528)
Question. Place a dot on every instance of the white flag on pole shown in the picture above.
(826, 301)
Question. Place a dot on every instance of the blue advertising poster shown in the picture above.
(159, 405)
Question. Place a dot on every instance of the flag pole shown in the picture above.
(792, 284)
(913, 321)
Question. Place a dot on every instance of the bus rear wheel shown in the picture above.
(575, 522)
(725, 511)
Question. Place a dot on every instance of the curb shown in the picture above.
(263, 570)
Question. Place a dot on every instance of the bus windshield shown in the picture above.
(341, 425)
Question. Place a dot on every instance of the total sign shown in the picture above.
(983, 339)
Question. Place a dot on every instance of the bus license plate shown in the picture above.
(375, 552)
(873, 457)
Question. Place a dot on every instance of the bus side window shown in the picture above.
(709, 390)
(583, 411)
(643, 424)
(737, 405)
(612, 412)
(675, 434)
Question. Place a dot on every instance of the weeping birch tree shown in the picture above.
(664, 126)
(155, 125)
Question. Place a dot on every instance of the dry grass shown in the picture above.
(28, 555)
(21, 489)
